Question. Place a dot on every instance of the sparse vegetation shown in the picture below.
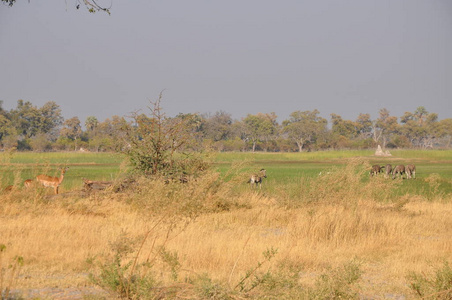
(432, 286)
(341, 234)
(9, 275)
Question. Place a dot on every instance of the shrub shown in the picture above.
(158, 145)
(339, 283)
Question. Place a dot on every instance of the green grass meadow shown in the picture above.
(283, 169)
(19, 166)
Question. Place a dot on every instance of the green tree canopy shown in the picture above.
(260, 127)
(304, 126)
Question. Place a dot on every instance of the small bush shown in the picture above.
(339, 283)
(206, 288)
(122, 276)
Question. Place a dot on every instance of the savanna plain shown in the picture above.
(318, 227)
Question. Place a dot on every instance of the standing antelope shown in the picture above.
(388, 170)
(257, 178)
(411, 171)
(49, 181)
(400, 169)
(375, 170)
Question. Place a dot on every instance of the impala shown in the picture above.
(257, 178)
(8, 189)
(49, 181)
(411, 171)
(400, 169)
(28, 183)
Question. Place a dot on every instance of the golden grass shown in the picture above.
(228, 234)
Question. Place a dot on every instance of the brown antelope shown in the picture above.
(410, 171)
(49, 181)
(388, 170)
(8, 189)
(257, 178)
(400, 169)
(375, 170)
(28, 183)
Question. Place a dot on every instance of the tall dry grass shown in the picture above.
(209, 228)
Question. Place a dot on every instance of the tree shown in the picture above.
(445, 131)
(260, 127)
(364, 125)
(384, 126)
(91, 5)
(72, 130)
(218, 127)
(345, 128)
(421, 127)
(304, 126)
(25, 118)
(6, 128)
(106, 135)
(30, 120)
(91, 123)
(50, 117)
(152, 142)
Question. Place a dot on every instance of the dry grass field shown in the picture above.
(334, 236)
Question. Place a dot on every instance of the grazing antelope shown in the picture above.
(375, 170)
(257, 178)
(28, 183)
(400, 169)
(410, 171)
(8, 189)
(49, 181)
(388, 170)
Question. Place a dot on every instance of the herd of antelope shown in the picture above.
(409, 170)
(45, 180)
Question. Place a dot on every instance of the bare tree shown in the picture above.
(91, 5)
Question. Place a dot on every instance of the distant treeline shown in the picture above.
(32, 128)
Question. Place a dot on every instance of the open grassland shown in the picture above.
(301, 236)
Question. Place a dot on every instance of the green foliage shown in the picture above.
(206, 288)
(304, 127)
(432, 286)
(121, 276)
(252, 278)
(157, 145)
(172, 260)
(260, 127)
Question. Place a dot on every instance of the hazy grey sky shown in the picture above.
(249, 56)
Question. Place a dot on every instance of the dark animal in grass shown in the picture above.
(375, 170)
(400, 169)
(256, 179)
(410, 171)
